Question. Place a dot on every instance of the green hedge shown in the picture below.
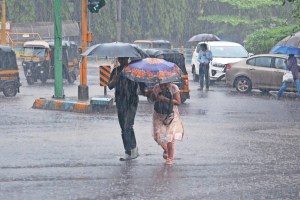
(263, 40)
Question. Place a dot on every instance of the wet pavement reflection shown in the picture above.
(235, 147)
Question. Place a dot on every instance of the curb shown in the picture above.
(62, 105)
(94, 105)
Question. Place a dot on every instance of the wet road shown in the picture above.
(235, 147)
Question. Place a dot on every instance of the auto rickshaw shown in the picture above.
(38, 61)
(178, 58)
(9, 72)
(70, 59)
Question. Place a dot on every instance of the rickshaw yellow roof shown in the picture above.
(36, 43)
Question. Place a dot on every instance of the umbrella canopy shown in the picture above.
(291, 40)
(114, 49)
(286, 50)
(152, 70)
(204, 37)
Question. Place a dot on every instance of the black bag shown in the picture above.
(164, 107)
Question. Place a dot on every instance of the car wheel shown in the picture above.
(243, 85)
(10, 90)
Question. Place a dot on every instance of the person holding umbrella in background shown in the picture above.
(291, 65)
(204, 58)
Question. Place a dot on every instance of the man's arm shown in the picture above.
(112, 79)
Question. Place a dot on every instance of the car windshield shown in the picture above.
(229, 52)
(8, 60)
(162, 45)
(34, 51)
(143, 45)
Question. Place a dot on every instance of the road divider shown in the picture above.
(95, 104)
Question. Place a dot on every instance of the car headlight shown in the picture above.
(218, 65)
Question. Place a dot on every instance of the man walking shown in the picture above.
(204, 58)
(127, 99)
(291, 65)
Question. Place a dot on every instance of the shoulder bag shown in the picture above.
(165, 108)
(288, 77)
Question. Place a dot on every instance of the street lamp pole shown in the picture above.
(58, 80)
(3, 24)
(83, 90)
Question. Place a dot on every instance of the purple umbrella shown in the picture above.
(152, 70)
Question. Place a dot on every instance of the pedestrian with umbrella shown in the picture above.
(127, 99)
(204, 58)
(167, 126)
(292, 66)
(126, 96)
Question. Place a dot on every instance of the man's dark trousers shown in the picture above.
(203, 73)
(126, 115)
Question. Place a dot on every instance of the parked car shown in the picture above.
(263, 72)
(223, 53)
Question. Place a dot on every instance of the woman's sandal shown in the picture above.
(169, 162)
(165, 155)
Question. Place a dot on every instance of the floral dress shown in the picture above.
(167, 133)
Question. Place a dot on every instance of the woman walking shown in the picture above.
(165, 134)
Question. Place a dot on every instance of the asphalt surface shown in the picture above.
(235, 147)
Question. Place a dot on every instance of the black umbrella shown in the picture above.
(204, 37)
(114, 49)
(291, 40)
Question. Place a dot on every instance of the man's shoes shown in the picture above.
(126, 157)
(201, 89)
(133, 154)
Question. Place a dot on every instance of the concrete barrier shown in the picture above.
(93, 105)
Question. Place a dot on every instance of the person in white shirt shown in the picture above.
(204, 58)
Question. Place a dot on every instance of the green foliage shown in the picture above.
(237, 20)
(174, 20)
(21, 11)
(263, 40)
(250, 4)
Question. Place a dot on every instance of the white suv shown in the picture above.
(223, 53)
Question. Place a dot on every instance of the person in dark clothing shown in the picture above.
(291, 65)
(126, 98)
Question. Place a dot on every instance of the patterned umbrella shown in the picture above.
(152, 70)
